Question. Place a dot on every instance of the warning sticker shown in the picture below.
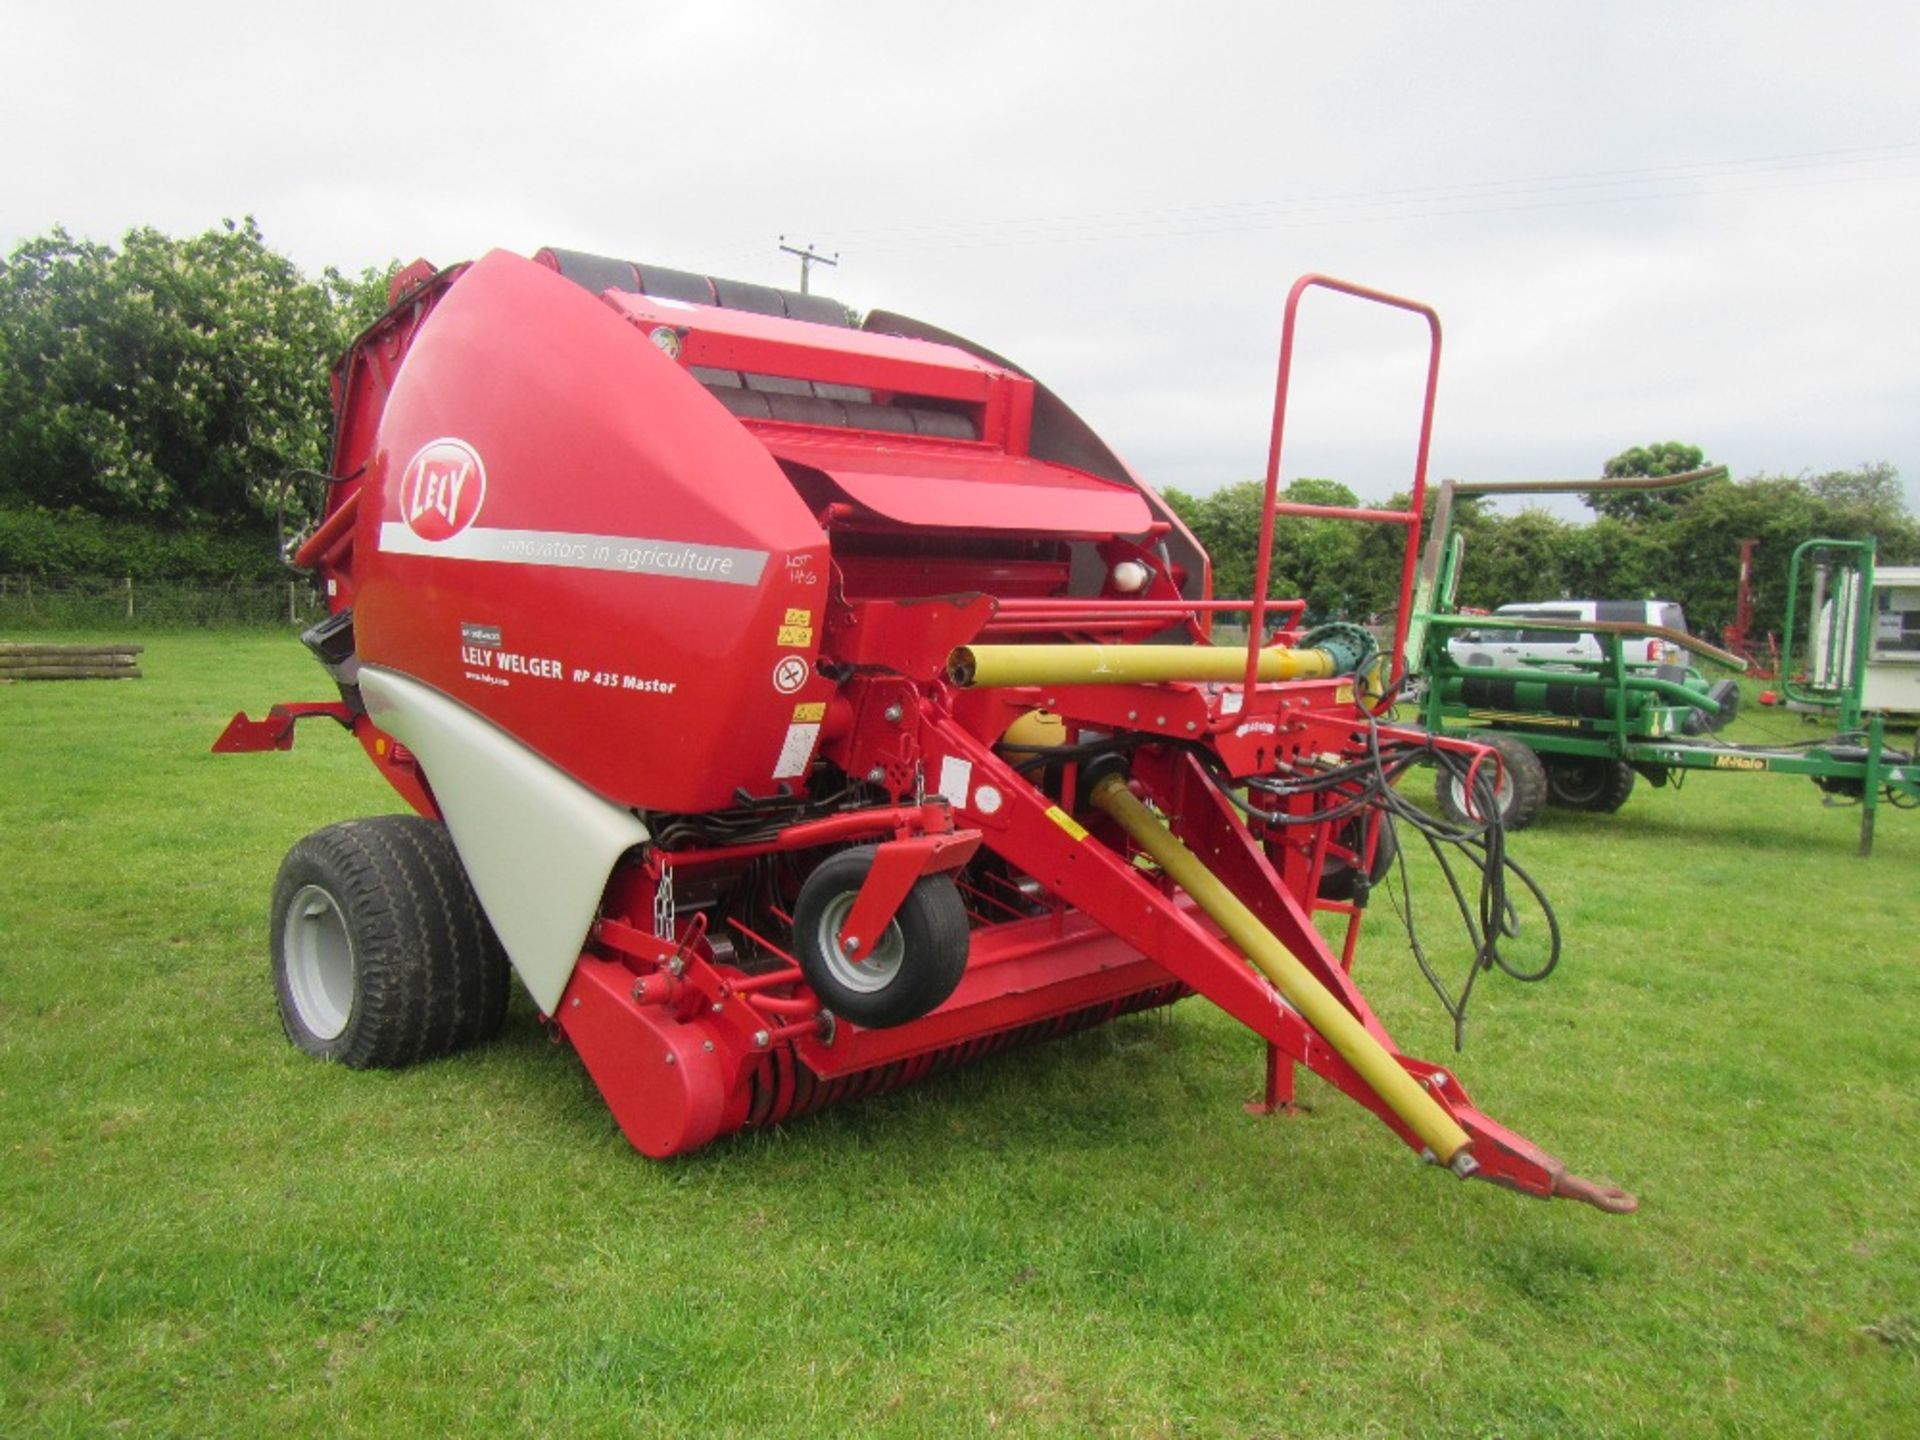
(956, 779)
(790, 672)
(795, 752)
(810, 710)
(798, 617)
(1066, 822)
(795, 635)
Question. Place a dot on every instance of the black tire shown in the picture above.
(382, 956)
(1337, 876)
(1522, 790)
(1587, 782)
(907, 972)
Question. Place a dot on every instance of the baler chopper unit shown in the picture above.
(806, 707)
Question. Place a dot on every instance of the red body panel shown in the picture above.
(953, 489)
(666, 567)
(772, 345)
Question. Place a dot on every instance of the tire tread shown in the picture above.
(933, 921)
(1528, 776)
(430, 976)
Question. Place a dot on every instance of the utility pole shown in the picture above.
(809, 257)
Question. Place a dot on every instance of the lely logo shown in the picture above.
(442, 489)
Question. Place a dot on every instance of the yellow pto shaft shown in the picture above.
(1127, 664)
(1402, 1093)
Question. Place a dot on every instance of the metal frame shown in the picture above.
(1648, 735)
(1272, 506)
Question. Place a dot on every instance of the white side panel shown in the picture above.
(537, 844)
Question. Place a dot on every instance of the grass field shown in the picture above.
(202, 1233)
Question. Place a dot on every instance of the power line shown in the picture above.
(1466, 198)
(1523, 184)
(809, 257)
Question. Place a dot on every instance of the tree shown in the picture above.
(1515, 558)
(1780, 511)
(1702, 548)
(1871, 493)
(1613, 559)
(1669, 457)
(1319, 557)
(1315, 560)
(1685, 549)
(165, 378)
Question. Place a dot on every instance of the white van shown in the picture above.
(1504, 648)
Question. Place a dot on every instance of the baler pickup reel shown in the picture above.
(801, 708)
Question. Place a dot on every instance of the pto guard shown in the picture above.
(661, 591)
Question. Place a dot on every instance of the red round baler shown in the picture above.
(799, 707)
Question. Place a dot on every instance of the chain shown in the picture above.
(664, 917)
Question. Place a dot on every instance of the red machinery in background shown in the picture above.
(800, 708)
(1763, 662)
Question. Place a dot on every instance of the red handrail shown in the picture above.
(323, 546)
(1272, 506)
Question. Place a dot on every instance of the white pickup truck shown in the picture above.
(1546, 647)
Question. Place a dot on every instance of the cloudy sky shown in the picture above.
(1638, 222)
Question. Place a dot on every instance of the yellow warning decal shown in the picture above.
(798, 617)
(1343, 695)
(1066, 822)
(795, 635)
(810, 712)
(1495, 717)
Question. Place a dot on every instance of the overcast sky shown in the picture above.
(1638, 222)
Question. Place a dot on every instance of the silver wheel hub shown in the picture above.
(874, 966)
(318, 955)
(1502, 795)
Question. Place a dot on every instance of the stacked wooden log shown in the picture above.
(20, 661)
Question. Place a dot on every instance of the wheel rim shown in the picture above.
(318, 953)
(1502, 792)
(876, 968)
(1579, 784)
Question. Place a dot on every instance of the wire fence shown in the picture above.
(120, 602)
(101, 602)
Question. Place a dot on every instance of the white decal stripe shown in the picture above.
(795, 752)
(626, 554)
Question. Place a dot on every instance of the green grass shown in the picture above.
(202, 1233)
